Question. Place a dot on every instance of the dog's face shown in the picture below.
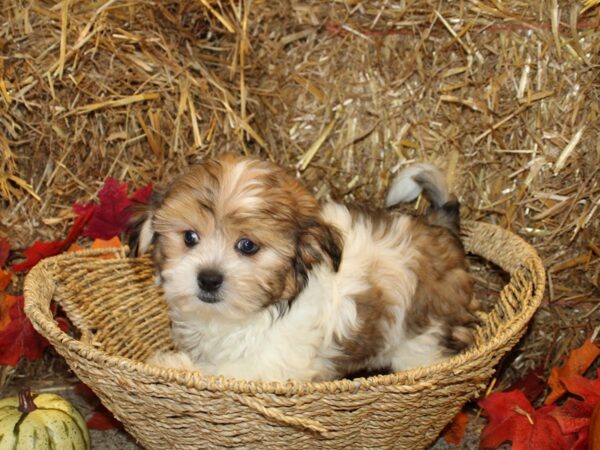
(235, 235)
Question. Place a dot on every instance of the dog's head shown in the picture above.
(235, 235)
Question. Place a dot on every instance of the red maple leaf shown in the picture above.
(18, 339)
(142, 195)
(102, 418)
(4, 251)
(532, 384)
(513, 418)
(111, 216)
(40, 250)
(574, 417)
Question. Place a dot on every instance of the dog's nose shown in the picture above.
(210, 280)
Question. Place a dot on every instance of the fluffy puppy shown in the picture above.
(265, 283)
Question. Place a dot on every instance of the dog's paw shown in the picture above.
(172, 360)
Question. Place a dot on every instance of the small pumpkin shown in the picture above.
(46, 421)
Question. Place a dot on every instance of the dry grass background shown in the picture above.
(505, 95)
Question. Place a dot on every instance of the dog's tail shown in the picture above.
(427, 179)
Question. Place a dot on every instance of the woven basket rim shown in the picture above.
(404, 381)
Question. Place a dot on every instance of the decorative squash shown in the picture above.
(46, 421)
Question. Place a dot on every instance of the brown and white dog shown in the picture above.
(265, 283)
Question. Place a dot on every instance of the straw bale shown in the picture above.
(504, 95)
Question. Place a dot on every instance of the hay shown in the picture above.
(505, 95)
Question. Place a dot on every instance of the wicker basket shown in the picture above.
(122, 319)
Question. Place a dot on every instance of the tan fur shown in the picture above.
(444, 288)
(373, 309)
(262, 203)
(372, 289)
(443, 291)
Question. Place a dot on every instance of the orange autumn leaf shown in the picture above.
(455, 431)
(578, 362)
(5, 277)
(74, 248)
(6, 303)
(115, 242)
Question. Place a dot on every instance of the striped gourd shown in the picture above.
(46, 421)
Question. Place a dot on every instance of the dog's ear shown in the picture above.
(140, 229)
(318, 242)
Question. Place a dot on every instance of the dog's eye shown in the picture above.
(190, 238)
(246, 246)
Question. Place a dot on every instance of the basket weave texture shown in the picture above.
(122, 318)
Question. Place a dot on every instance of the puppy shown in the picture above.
(264, 283)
